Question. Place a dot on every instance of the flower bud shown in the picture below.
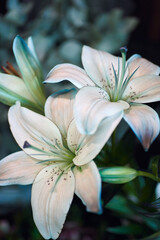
(118, 175)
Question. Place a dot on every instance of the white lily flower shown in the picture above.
(109, 85)
(57, 159)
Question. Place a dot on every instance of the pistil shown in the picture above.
(119, 79)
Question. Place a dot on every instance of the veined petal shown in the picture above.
(92, 105)
(30, 69)
(88, 186)
(18, 168)
(74, 137)
(89, 148)
(34, 128)
(59, 109)
(52, 194)
(133, 58)
(144, 121)
(70, 72)
(143, 89)
(143, 66)
(99, 66)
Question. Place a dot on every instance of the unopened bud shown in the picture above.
(118, 175)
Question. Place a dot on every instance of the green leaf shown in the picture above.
(155, 236)
(108, 193)
(130, 229)
(155, 165)
(120, 205)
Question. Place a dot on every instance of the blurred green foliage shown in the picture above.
(59, 29)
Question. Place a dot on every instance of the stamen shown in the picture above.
(118, 68)
(80, 144)
(126, 81)
(57, 148)
(116, 82)
(9, 69)
(54, 155)
(6, 70)
(28, 145)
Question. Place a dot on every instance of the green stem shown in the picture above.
(149, 175)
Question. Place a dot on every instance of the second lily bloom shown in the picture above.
(111, 85)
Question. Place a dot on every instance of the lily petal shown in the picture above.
(33, 51)
(88, 186)
(92, 105)
(35, 129)
(144, 121)
(15, 86)
(70, 72)
(18, 168)
(143, 66)
(59, 109)
(74, 137)
(52, 195)
(99, 66)
(91, 145)
(143, 89)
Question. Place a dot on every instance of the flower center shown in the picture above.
(51, 153)
(121, 80)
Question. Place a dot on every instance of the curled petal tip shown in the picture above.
(146, 148)
(146, 144)
(98, 212)
(18, 39)
(17, 36)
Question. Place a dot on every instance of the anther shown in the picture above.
(26, 145)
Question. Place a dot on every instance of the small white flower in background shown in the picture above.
(57, 159)
(25, 86)
(110, 85)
